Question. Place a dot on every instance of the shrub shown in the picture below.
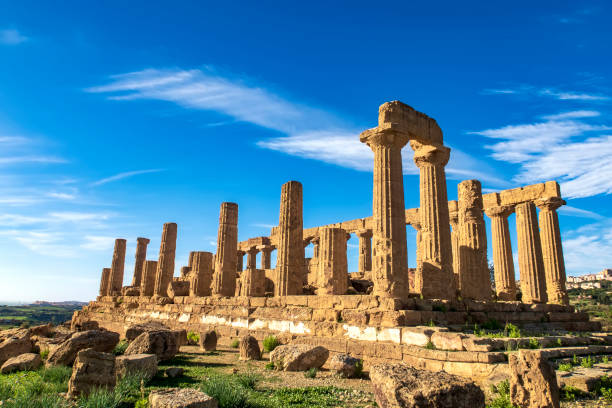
(359, 368)
(571, 393)
(248, 379)
(270, 343)
(44, 354)
(142, 403)
(511, 330)
(270, 365)
(575, 360)
(587, 362)
(604, 359)
(227, 393)
(431, 323)
(502, 395)
(607, 394)
(120, 348)
(534, 343)
(430, 346)
(565, 367)
(311, 373)
(492, 324)
(235, 343)
(193, 338)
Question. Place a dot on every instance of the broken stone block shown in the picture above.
(136, 363)
(136, 330)
(98, 340)
(208, 341)
(92, 370)
(448, 340)
(401, 386)
(249, 348)
(180, 398)
(174, 372)
(419, 335)
(15, 345)
(162, 343)
(533, 383)
(23, 362)
(344, 365)
(299, 357)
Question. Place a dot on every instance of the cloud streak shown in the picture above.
(124, 175)
(561, 95)
(12, 37)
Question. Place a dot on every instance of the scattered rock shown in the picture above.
(174, 372)
(99, 340)
(181, 337)
(162, 343)
(344, 365)
(249, 348)
(299, 357)
(92, 369)
(448, 340)
(533, 383)
(180, 398)
(23, 362)
(136, 363)
(43, 330)
(136, 330)
(208, 341)
(16, 344)
(401, 386)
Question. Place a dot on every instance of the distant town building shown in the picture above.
(589, 281)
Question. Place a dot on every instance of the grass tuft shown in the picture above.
(270, 343)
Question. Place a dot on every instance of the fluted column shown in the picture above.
(552, 251)
(389, 253)
(365, 250)
(224, 279)
(434, 276)
(147, 286)
(531, 266)
(201, 276)
(473, 266)
(266, 250)
(240, 260)
(503, 264)
(117, 268)
(290, 269)
(141, 256)
(454, 222)
(104, 281)
(332, 267)
(165, 263)
(252, 258)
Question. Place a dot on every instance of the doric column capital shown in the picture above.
(252, 250)
(383, 137)
(364, 233)
(240, 252)
(549, 203)
(499, 211)
(429, 154)
(266, 248)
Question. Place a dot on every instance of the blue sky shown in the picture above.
(116, 118)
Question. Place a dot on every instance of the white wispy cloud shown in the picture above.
(562, 95)
(306, 131)
(12, 36)
(578, 212)
(98, 243)
(30, 159)
(588, 249)
(124, 175)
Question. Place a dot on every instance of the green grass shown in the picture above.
(501, 393)
(120, 348)
(270, 343)
(311, 372)
(193, 338)
(565, 367)
(430, 346)
(35, 389)
(587, 362)
(235, 343)
(33, 315)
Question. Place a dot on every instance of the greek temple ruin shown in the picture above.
(385, 302)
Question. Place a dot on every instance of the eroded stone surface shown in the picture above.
(299, 357)
(163, 343)
(92, 369)
(136, 363)
(249, 348)
(208, 340)
(533, 383)
(23, 362)
(97, 340)
(180, 398)
(344, 365)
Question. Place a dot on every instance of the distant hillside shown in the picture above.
(64, 303)
(39, 312)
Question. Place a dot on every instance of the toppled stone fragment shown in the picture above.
(91, 370)
(249, 348)
(533, 383)
(136, 363)
(98, 340)
(15, 345)
(23, 362)
(180, 398)
(344, 365)
(162, 343)
(208, 341)
(299, 357)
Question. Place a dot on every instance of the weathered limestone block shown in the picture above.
(180, 398)
(290, 270)
(253, 282)
(178, 287)
(147, 287)
(552, 250)
(16, 344)
(98, 340)
(401, 386)
(299, 357)
(92, 369)
(419, 335)
(365, 250)
(434, 276)
(249, 348)
(174, 372)
(133, 331)
(332, 267)
(531, 266)
(448, 340)
(165, 263)
(130, 291)
(208, 340)
(389, 254)
(163, 343)
(105, 281)
(140, 258)
(505, 284)
(23, 362)
(185, 271)
(344, 365)
(136, 363)
(117, 268)
(533, 383)
(473, 266)
(224, 278)
(201, 276)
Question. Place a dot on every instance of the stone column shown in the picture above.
(165, 263)
(290, 270)
(454, 222)
(224, 279)
(365, 250)
(332, 266)
(147, 286)
(190, 262)
(266, 250)
(104, 281)
(434, 276)
(252, 258)
(473, 266)
(141, 256)
(389, 252)
(201, 278)
(117, 267)
(185, 272)
(531, 266)
(552, 251)
(315, 247)
(240, 260)
(505, 284)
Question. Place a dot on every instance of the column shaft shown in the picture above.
(332, 266)
(165, 263)
(141, 256)
(147, 286)
(252, 258)
(365, 250)
(455, 234)
(201, 276)
(240, 261)
(531, 266)
(265, 257)
(104, 281)
(552, 250)
(224, 279)
(117, 268)
(503, 264)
